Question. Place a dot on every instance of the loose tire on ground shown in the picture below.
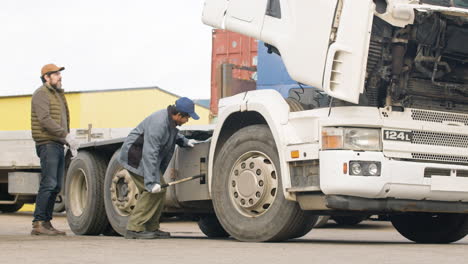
(120, 195)
(431, 228)
(211, 227)
(247, 191)
(85, 200)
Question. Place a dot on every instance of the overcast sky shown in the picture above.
(106, 44)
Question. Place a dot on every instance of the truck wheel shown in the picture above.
(120, 194)
(431, 228)
(85, 200)
(247, 191)
(10, 208)
(211, 227)
(348, 220)
(301, 229)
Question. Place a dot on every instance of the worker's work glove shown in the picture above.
(74, 153)
(156, 188)
(72, 143)
(191, 143)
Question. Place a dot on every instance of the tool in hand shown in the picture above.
(182, 180)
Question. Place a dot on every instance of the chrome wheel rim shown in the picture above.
(253, 184)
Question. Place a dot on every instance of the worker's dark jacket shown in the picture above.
(149, 147)
(50, 118)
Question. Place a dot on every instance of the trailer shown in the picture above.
(20, 170)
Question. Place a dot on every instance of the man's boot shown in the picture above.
(48, 225)
(40, 230)
(140, 235)
(162, 234)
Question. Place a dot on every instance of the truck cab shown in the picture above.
(392, 138)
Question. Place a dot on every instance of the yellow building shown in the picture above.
(117, 108)
(110, 113)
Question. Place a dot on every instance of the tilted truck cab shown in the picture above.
(393, 137)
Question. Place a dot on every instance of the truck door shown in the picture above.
(323, 43)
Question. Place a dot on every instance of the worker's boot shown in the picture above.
(140, 235)
(40, 230)
(48, 225)
(162, 234)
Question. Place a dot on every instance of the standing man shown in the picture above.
(146, 153)
(50, 126)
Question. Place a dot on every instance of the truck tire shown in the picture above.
(211, 227)
(431, 228)
(348, 220)
(120, 195)
(10, 208)
(247, 191)
(303, 227)
(85, 200)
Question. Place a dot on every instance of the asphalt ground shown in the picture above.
(369, 242)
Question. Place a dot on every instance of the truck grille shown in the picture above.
(428, 172)
(443, 158)
(440, 139)
(438, 117)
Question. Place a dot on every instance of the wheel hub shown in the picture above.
(124, 192)
(253, 184)
(246, 183)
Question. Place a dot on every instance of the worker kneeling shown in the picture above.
(146, 153)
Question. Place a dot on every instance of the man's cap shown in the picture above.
(50, 68)
(186, 105)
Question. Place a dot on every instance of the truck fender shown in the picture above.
(268, 104)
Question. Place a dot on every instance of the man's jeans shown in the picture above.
(52, 170)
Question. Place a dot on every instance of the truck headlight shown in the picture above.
(351, 138)
(365, 168)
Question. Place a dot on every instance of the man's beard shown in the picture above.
(57, 85)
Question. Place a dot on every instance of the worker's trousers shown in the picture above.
(52, 170)
(145, 216)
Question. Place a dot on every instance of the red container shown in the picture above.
(237, 51)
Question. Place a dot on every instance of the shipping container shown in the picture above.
(233, 65)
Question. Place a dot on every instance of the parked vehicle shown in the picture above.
(383, 131)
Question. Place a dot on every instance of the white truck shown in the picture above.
(387, 134)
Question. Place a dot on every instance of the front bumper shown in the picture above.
(398, 180)
(348, 203)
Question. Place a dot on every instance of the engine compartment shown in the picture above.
(423, 65)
